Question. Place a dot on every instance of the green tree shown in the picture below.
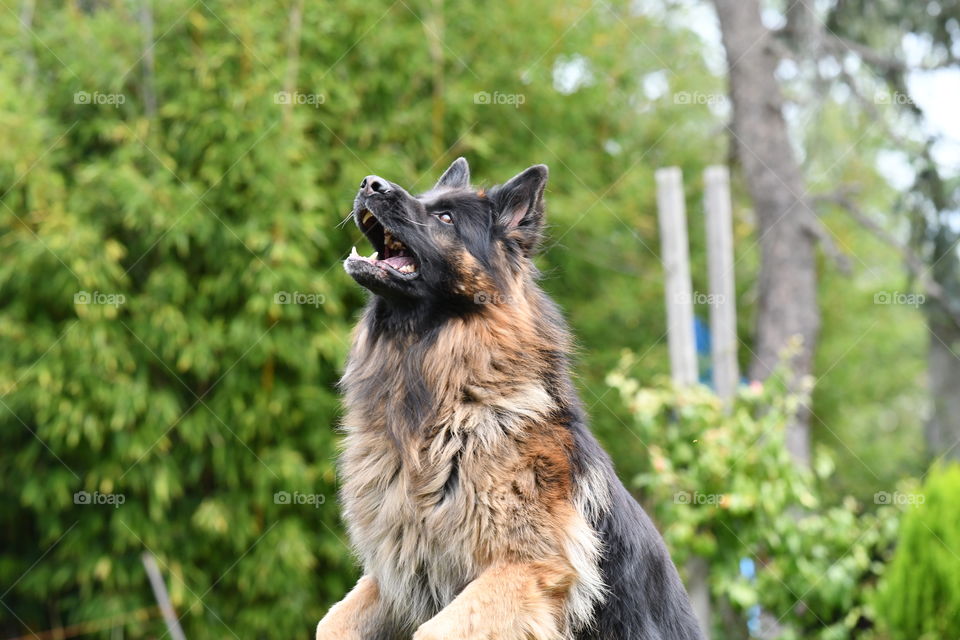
(869, 52)
(920, 595)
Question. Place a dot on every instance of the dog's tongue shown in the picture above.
(398, 261)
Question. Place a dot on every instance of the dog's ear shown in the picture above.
(456, 176)
(520, 209)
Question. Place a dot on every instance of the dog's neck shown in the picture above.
(405, 375)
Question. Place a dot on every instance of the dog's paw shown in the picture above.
(439, 629)
(323, 631)
(329, 629)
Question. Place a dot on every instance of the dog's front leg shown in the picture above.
(516, 601)
(350, 618)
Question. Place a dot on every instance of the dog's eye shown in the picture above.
(444, 217)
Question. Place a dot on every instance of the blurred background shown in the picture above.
(174, 316)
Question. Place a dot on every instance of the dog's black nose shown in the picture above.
(374, 184)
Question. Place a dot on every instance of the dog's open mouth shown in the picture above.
(390, 254)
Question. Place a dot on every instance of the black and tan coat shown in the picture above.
(478, 502)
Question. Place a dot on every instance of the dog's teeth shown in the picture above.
(373, 256)
(353, 253)
(366, 216)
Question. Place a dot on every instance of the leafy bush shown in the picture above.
(919, 597)
(721, 482)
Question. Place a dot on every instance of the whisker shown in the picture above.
(350, 215)
(419, 224)
(344, 221)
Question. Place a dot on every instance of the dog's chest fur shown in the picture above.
(484, 478)
(425, 526)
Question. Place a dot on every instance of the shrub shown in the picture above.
(720, 482)
(919, 598)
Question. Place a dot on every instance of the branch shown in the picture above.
(837, 44)
(781, 49)
(27, 9)
(816, 229)
(293, 56)
(915, 264)
(800, 34)
(145, 17)
(870, 106)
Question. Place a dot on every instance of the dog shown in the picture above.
(477, 500)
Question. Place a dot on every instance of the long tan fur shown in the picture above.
(510, 555)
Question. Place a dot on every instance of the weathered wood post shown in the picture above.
(675, 254)
(723, 309)
(163, 598)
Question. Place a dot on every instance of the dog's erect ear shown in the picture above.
(456, 176)
(519, 205)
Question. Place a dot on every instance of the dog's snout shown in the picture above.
(374, 184)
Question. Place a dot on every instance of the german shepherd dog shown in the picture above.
(480, 505)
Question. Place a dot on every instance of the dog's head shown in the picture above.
(453, 243)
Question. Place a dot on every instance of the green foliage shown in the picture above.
(868, 413)
(185, 387)
(919, 598)
(720, 481)
(143, 355)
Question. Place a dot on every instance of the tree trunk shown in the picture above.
(787, 296)
(943, 369)
(943, 360)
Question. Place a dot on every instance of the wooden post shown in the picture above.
(723, 309)
(163, 599)
(149, 83)
(674, 253)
